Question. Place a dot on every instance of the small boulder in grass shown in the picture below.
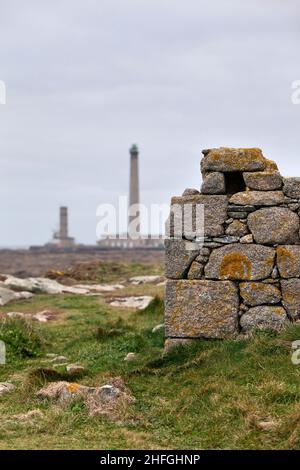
(75, 369)
(109, 400)
(158, 328)
(59, 360)
(29, 417)
(130, 357)
(6, 387)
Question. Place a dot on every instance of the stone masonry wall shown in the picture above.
(244, 272)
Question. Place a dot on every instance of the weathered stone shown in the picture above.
(204, 251)
(291, 296)
(295, 206)
(201, 259)
(109, 400)
(264, 180)
(196, 271)
(6, 295)
(288, 260)
(247, 238)
(225, 240)
(291, 187)
(201, 309)
(41, 285)
(275, 273)
(75, 369)
(189, 209)
(237, 215)
(190, 192)
(257, 293)
(137, 302)
(158, 328)
(230, 159)
(213, 183)
(179, 255)
(139, 280)
(237, 228)
(264, 317)
(258, 198)
(6, 387)
(274, 225)
(240, 262)
(241, 209)
(131, 356)
(213, 245)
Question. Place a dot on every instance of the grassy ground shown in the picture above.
(210, 395)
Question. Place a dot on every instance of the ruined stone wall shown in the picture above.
(243, 272)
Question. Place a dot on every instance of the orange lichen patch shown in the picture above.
(284, 256)
(276, 311)
(288, 261)
(73, 387)
(235, 266)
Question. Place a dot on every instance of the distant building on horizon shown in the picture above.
(61, 238)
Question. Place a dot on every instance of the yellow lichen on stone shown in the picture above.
(235, 266)
(73, 387)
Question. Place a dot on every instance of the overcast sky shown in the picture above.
(87, 78)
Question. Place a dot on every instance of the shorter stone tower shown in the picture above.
(61, 238)
(241, 269)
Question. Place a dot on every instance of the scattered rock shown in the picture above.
(108, 400)
(263, 317)
(138, 280)
(16, 315)
(158, 328)
(29, 417)
(267, 425)
(41, 285)
(99, 287)
(138, 303)
(131, 356)
(6, 295)
(59, 360)
(6, 387)
(42, 317)
(276, 225)
(75, 369)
